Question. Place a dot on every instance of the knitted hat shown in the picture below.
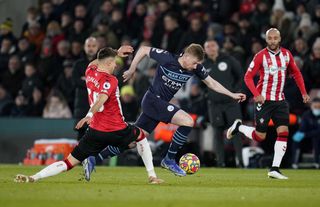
(127, 90)
(305, 21)
(6, 25)
(278, 5)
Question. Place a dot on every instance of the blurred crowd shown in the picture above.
(42, 67)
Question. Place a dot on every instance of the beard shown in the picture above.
(273, 46)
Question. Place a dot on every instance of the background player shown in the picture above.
(106, 123)
(273, 63)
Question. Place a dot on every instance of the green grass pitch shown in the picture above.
(127, 186)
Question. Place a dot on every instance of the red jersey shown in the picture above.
(273, 69)
(109, 117)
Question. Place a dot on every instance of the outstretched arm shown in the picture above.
(216, 86)
(143, 51)
(102, 98)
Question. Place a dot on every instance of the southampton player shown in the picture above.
(173, 72)
(273, 64)
(105, 119)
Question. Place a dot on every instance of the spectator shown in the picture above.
(104, 29)
(26, 51)
(309, 129)
(13, 77)
(66, 23)
(195, 34)
(81, 105)
(78, 32)
(312, 65)
(54, 33)
(46, 14)
(105, 12)
(80, 12)
(76, 49)
(32, 16)
(31, 81)
(6, 102)
(56, 107)
(20, 107)
(129, 103)
(35, 35)
(65, 83)
(6, 31)
(36, 104)
(5, 52)
(169, 39)
(117, 24)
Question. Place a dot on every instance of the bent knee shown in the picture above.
(188, 122)
(261, 136)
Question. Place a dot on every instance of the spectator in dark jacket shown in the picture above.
(309, 129)
(81, 104)
(13, 77)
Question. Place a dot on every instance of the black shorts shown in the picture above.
(278, 111)
(95, 141)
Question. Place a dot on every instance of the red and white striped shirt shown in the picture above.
(109, 118)
(273, 69)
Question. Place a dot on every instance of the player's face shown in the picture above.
(190, 62)
(273, 40)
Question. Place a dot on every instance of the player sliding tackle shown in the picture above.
(173, 72)
(107, 128)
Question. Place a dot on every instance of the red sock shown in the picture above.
(256, 137)
(283, 136)
(69, 165)
(141, 135)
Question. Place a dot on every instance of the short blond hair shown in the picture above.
(195, 50)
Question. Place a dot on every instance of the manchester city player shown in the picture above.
(173, 71)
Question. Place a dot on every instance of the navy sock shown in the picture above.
(179, 138)
(108, 152)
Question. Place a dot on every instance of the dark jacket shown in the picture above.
(81, 103)
(310, 125)
(227, 71)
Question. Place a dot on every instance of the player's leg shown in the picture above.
(185, 123)
(51, 170)
(262, 117)
(280, 118)
(146, 126)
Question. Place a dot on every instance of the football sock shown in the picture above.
(179, 138)
(250, 132)
(108, 152)
(280, 148)
(144, 151)
(53, 169)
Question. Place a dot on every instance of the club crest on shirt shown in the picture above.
(273, 69)
(170, 108)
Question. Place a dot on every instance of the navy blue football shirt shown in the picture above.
(170, 76)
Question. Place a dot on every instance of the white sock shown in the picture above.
(279, 151)
(246, 130)
(144, 151)
(51, 170)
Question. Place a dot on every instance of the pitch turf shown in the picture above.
(127, 186)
